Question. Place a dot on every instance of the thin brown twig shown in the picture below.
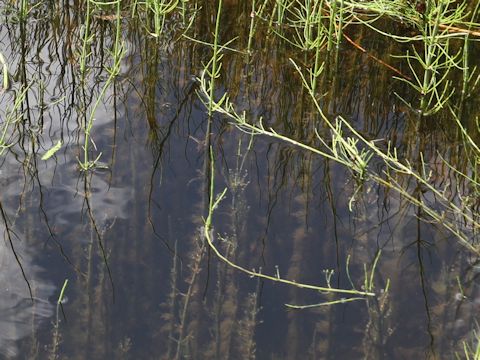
(395, 70)
(454, 29)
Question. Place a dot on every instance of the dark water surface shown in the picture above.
(142, 282)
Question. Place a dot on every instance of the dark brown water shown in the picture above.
(143, 284)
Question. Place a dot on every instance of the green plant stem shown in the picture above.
(214, 203)
(430, 55)
(215, 57)
(86, 40)
(331, 28)
(251, 29)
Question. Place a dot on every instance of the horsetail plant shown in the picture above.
(117, 56)
(214, 202)
(160, 9)
(214, 65)
(355, 153)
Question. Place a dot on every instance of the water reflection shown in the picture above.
(26, 301)
(143, 283)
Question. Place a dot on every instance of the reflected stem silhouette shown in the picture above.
(97, 233)
(9, 233)
(421, 269)
(158, 157)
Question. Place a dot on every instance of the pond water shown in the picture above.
(129, 235)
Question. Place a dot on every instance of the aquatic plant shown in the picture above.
(214, 203)
(12, 115)
(155, 13)
(137, 58)
(117, 54)
(471, 351)
(56, 338)
(355, 153)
